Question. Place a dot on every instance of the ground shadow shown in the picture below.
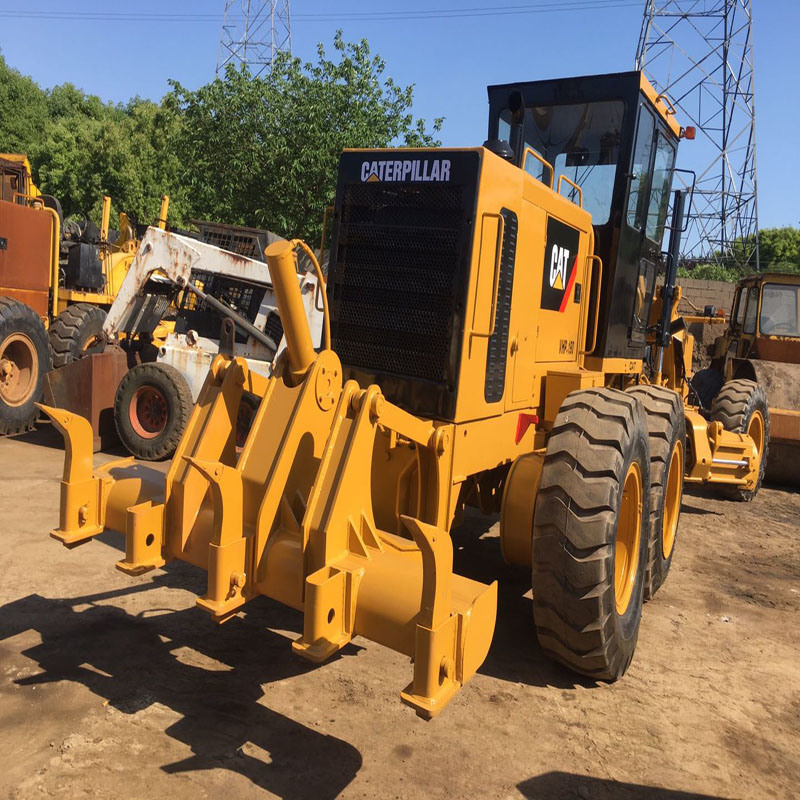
(515, 654)
(558, 785)
(43, 435)
(46, 435)
(686, 508)
(132, 661)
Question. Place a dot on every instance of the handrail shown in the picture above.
(28, 198)
(496, 280)
(55, 248)
(667, 102)
(573, 185)
(599, 261)
(547, 164)
(326, 316)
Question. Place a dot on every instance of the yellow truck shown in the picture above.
(54, 289)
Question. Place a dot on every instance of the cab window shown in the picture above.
(581, 141)
(779, 310)
(751, 314)
(739, 305)
(659, 193)
(640, 170)
(10, 185)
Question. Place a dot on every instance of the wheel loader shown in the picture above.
(56, 280)
(487, 342)
(762, 344)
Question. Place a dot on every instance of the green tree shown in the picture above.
(90, 149)
(710, 272)
(779, 249)
(23, 111)
(263, 151)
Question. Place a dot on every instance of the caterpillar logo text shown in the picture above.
(559, 261)
(418, 169)
(560, 265)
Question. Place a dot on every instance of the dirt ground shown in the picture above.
(118, 687)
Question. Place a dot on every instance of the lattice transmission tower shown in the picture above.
(253, 32)
(700, 54)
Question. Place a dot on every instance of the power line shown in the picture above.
(357, 16)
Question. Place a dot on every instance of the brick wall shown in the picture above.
(705, 293)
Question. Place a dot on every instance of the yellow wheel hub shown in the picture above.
(755, 430)
(19, 369)
(629, 539)
(672, 500)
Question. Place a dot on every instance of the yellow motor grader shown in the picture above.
(490, 339)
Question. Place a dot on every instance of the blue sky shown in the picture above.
(450, 61)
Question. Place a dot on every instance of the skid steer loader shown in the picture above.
(204, 285)
(486, 339)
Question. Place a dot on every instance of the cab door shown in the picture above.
(560, 290)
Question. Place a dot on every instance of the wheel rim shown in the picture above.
(672, 500)
(629, 534)
(755, 430)
(92, 345)
(19, 369)
(147, 412)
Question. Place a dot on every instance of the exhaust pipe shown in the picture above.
(281, 262)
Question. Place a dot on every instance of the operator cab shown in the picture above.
(616, 139)
(14, 180)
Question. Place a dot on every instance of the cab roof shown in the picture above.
(587, 88)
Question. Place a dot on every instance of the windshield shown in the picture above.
(779, 310)
(581, 142)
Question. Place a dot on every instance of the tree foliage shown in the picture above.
(23, 111)
(779, 251)
(264, 151)
(260, 151)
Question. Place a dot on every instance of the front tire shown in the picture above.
(77, 332)
(589, 535)
(24, 360)
(151, 409)
(741, 407)
(666, 428)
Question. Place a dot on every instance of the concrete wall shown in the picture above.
(705, 293)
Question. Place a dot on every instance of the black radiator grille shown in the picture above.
(393, 282)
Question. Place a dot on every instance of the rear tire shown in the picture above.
(589, 533)
(151, 409)
(666, 428)
(741, 407)
(77, 332)
(24, 359)
(706, 384)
